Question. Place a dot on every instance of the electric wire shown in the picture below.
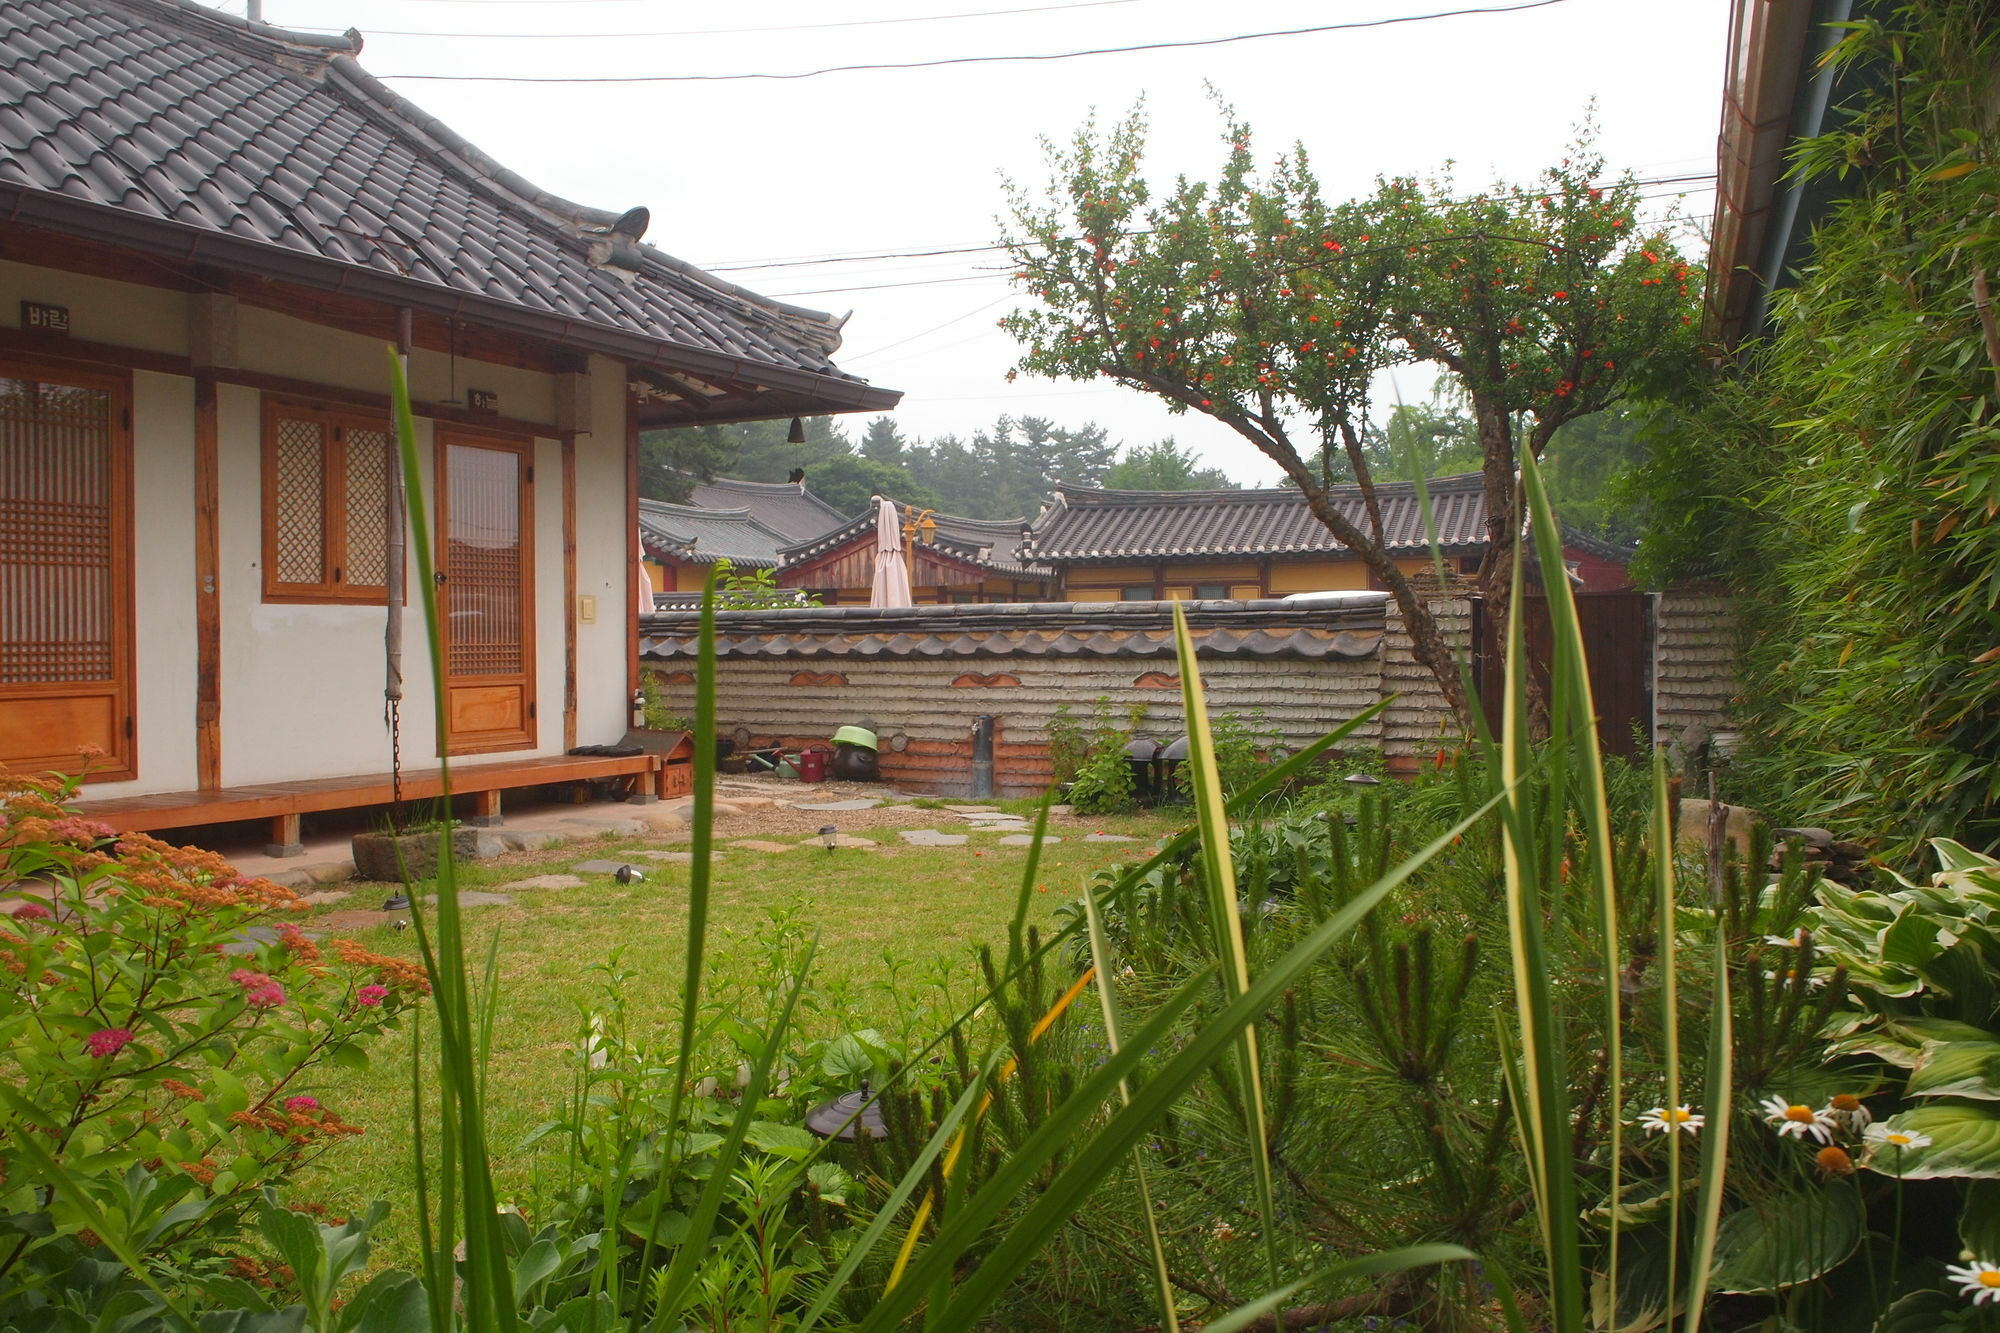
(979, 60)
(711, 32)
(742, 265)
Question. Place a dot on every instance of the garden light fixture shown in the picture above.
(846, 1114)
(829, 834)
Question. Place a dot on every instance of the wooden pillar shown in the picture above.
(208, 592)
(569, 589)
(629, 543)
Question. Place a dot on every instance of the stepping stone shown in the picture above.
(681, 858)
(323, 897)
(762, 845)
(474, 898)
(1061, 810)
(544, 882)
(1107, 837)
(930, 837)
(253, 938)
(974, 809)
(840, 840)
(598, 867)
(1026, 840)
(859, 803)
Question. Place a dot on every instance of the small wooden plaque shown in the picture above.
(39, 318)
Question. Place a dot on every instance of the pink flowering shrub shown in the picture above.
(161, 1021)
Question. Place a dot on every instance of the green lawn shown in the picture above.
(896, 931)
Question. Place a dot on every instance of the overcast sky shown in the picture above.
(798, 187)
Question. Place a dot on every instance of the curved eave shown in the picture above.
(788, 389)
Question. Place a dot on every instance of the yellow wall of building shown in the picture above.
(1317, 576)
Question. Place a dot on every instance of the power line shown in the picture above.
(935, 328)
(978, 60)
(744, 265)
(711, 32)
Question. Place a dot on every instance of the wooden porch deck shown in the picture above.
(283, 803)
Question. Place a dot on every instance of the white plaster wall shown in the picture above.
(604, 546)
(163, 586)
(302, 684)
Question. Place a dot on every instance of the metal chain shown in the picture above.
(396, 764)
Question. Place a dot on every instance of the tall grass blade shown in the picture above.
(1541, 1091)
(1226, 919)
(1107, 996)
(1715, 1135)
(975, 1095)
(1120, 1132)
(701, 1221)
(1263, 1310)
(1670, 1005)
(488, 1292)
(699, 871)
(1572, 695)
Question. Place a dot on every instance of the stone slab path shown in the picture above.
(930, 837)
(857, 804)
(543, 882)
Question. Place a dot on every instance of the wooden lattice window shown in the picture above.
(326, 504)
(65, 571)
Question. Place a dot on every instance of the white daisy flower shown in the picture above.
(1884, 1137)
(1979, 1279)
(1846, 1110)
(1796, 1120)
(1660, 1120)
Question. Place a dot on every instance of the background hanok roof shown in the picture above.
(991, 543)
(1083, 525)
(166, 126)
(786, 507)
(704, 536)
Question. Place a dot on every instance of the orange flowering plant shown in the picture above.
(163, 1020)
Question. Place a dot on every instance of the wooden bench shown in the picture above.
(283, 803)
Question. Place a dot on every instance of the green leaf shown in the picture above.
(1775, 1243)
(669, 1225)
(1958, 1069)
(390, 1302)
(1644, 1272)
(1979, 1219)
(792, 1141)
(854, 1056)
(225, 1092)
(1965, 1141)
(534, 1266)
(831, 1180)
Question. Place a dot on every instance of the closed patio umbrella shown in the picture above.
(892, 570)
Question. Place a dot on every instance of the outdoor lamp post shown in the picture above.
(829, 836)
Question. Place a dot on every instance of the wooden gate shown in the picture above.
(1618, 641)
(65, 571)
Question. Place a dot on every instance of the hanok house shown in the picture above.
(1138, 546)
(951, 560)
(210, 230)
(683, 543)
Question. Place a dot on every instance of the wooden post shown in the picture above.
(485, 808)
(628, 546)
(569, 589)
(208, 592)
(286, 836)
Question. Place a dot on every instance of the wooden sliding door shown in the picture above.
(486, 557)
(65, 571)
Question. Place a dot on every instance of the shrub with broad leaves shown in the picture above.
(163, 1020)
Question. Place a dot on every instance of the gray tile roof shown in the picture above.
(1026, 629)
(993, 543)
(1081, 525)
(704, 536)
(166, 126)
(785, 507)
